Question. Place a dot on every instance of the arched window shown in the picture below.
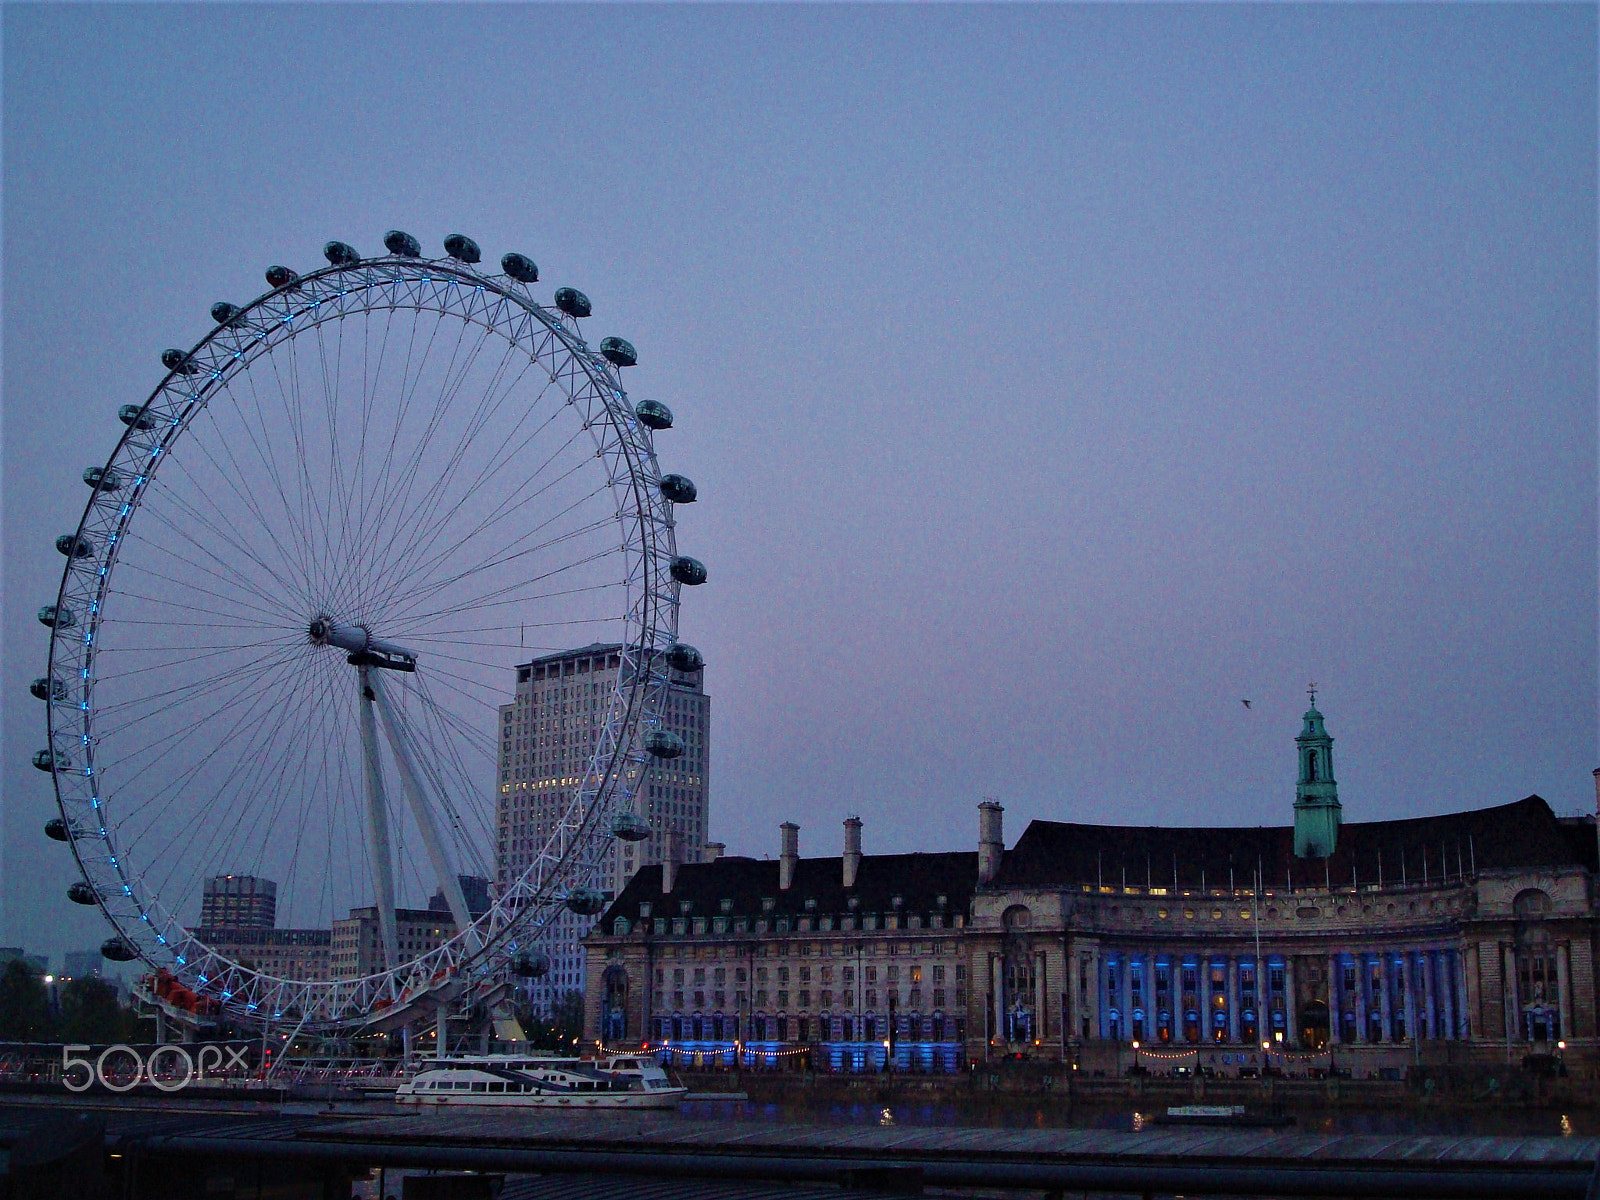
(1311, 765)
(1531, 904)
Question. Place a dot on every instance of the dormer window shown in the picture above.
(684, 906)
(768, 904)
(897, 901)
(941, 901)
(854, 902)
(811, 904)
(726, 905)
(644, 909)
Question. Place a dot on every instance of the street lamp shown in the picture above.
(1135, 1054)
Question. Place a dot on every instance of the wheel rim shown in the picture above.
(292, 478)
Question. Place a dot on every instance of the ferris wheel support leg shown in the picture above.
(378, 824)
(427, 820)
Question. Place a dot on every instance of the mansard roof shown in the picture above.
(919, 880)
(1522, 835)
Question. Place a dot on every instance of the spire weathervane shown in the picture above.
(1311, 690)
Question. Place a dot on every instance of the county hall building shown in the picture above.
(1467, 936)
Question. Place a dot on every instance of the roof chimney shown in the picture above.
(852, 850)
(715, 850)
(991, 842)
(669, 864)
(790, 856)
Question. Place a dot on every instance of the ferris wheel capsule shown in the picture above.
(118, 950)
(462, 248)
(663, 743)
(679, 489)
(281, 277)
(340, 254)
(177, 360)
(586, 901)
(531, 966)
(688, 571)
(51, 760)
(402, 244)
(46, 688)
(75, 545)
(136, 416)
(224, 313)
(685, 658)
(619, 352)
(520, 267)
(629, 826)
(573, 302)
(57, 616)
(83, 893)
(653, 414)
(106, 479)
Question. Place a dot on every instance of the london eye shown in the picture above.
(291, 612)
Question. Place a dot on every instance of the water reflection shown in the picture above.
(1045, 1114)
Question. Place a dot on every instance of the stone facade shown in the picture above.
(1458, 937)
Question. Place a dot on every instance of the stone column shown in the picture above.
(1097, 995)
(1232, 976)
(1472, 998)
(1431, 1004)
(1335, 1008)
(1508, 993)
(1069, 989)
(1360, 1001)
(1564, 983)
(1152, 1011)
(1263, 1000)
(1041, 1001)
(1409, 961)
(1125, 994)
(1580, 969)
(1291, 1007)
(997, 978)
(1447, 1005)
(1385, 988)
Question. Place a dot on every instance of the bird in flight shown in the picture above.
(1246, 703)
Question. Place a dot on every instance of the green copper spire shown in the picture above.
(1316, 795)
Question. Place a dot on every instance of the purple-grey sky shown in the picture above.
(1054, 377)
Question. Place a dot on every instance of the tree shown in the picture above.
(559, 1029)
(90, 1013)
(24, 1006)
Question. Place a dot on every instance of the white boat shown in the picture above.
(539, 1081)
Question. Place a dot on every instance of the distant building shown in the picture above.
(82, 964)
(39, 962)
(549, 733)
(239, 902)
(282, 953)
(474, 890)
(357, 949)
(1466, 936)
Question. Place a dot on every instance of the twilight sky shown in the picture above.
(1054, 378)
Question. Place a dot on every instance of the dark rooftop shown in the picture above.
(588, 651)
(919, 880)
(1519, 835)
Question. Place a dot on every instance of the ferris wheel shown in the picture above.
(292, 612)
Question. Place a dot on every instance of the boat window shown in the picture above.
(480, 1086)
(497, 1086)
